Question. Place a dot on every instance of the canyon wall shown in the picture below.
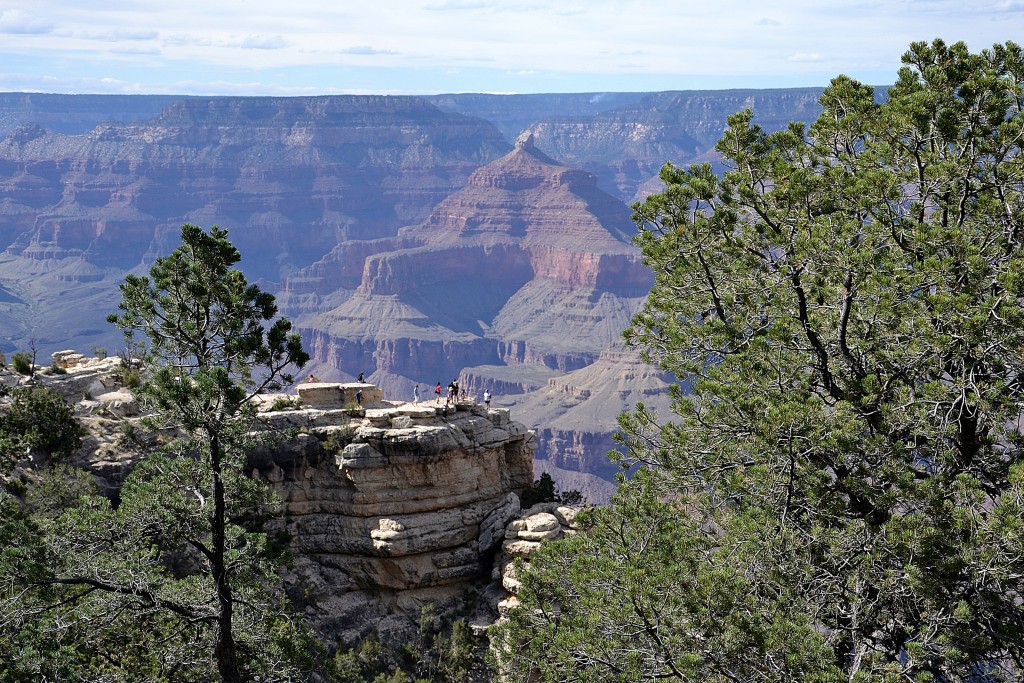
(401, 234)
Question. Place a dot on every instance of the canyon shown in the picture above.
(417, 240)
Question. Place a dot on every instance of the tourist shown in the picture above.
(416, 394)
(487, 398)
(360, 378)
(437, 390)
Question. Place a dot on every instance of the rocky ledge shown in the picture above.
(388, 506)
(397, 495)
(523, 536)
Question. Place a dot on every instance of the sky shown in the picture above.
(409, 47)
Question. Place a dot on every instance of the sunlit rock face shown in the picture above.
(389, 506)
(397, 496)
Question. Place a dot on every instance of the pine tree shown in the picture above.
(839, 497)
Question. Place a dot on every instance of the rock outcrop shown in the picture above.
(523, 536)
(393, 504)
(387, 505)
(524, 275)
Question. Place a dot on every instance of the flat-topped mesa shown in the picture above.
(393, 496)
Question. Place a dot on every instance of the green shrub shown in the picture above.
(128, 372)
(544, 491)
(55, 369)
(337, 440)
(284, 403)
(129, 377)
(13, 486)
(39, 419)
(133, 435)
(60, 487)
(22, 361)
(456, 655)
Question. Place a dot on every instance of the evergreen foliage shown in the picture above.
(543, 490)
(840, 497)
(178, 581)
(37, 421)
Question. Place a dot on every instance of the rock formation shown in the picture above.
(529, 264)
(626, 146)
(390, 505)
(523, 537)
(291, 178)
(522, 276)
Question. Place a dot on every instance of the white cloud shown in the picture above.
(120, 35)
(16, 21)
(495, 45)
(182, 39)
(126, 50)
(365, 50)
(263, 43)
(459, 5)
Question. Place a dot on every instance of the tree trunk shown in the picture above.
(224, 648)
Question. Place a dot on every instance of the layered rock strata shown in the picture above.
(397, 497)
(523, 537)
(291, 178)
(527, 265)
(388, 506)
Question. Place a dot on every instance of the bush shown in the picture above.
(128, 376)
(128, 373)
(60, 487)
(22, 361)
(543, 491)
(337, 440)
(284, 403)
(39, 419)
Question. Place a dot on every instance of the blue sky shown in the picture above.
(299, 47)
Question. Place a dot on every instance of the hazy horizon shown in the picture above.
(410, 47)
